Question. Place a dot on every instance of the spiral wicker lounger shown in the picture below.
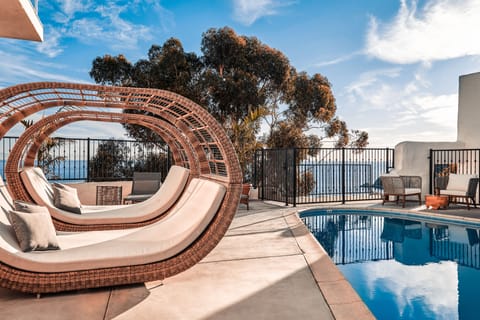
(161, 249)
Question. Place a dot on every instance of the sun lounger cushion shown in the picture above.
(34, 231)
(41, 192)
(66, 198)
(155, 242)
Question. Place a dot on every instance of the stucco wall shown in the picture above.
(468, 122)
(411, 158)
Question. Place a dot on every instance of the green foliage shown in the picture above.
(240, 81)
(110, 161)
(45, 157)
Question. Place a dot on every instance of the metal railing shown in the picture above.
(459, 161)
(78, 159)
(350, 238)
(301, 176)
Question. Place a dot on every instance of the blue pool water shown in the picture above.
(404, 267)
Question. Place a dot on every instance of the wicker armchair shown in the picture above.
(401, 187)
(457, 186)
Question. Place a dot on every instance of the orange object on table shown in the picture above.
(436, 201)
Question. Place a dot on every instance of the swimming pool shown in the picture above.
(404, 266)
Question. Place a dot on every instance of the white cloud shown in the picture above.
(393, 105)
(249, 11)
(338, 59)
(410, 283)
(51, 45)
(19, 67)
(441, 29)
(90, 23)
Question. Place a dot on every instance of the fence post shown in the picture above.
(430, 171)
(262, 179)
(294, 166)
(387, 162)
(88, 160)
(343, 176)
(286, 176)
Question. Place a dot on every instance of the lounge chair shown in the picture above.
(144, 185)
(113, 257)
(401, 187)
(462, 186)
(193, 227)
(245, 196)
(106, 217)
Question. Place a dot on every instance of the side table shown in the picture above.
(436, 201)
(109, 195)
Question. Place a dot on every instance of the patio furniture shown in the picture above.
(144, 185)
(108, 195)
(107, 217)
(401, 187)
(435, 202)
(193, 227)
(244, 197)
(458, 186)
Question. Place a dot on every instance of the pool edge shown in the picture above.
(343, 300)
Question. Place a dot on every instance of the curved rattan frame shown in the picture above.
(211, 155)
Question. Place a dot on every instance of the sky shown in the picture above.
(393, 65)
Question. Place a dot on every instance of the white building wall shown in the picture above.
(468, 123)
(412, 158)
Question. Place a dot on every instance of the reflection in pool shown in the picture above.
(415, 268)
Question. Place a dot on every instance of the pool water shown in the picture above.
(404, 268)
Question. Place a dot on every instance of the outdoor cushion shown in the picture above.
(34, 231)
(66, 198)
(26, 207)
(146, 186)
(170, 191)
(154, 242)
(459, 181)
(460, 193)
(412, 190)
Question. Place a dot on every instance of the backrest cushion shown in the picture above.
(459, 182)
(145, 186)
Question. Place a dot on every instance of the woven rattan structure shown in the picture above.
(195, 137)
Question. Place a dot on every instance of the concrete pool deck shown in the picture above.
(268, 266)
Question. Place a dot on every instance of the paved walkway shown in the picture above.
(257, 271)
(266, 267)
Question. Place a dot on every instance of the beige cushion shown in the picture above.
(34, 231)
(145, 187)
(66, 198)
(459, 193)
(412, 190)
(459, 181)
(168, 194)
(26, 207)
(156, 242)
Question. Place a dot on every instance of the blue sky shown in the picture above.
(393, 65)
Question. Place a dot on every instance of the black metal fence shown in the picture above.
(300, 176)
(350, 238)
(71, 159)
(459, 161)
